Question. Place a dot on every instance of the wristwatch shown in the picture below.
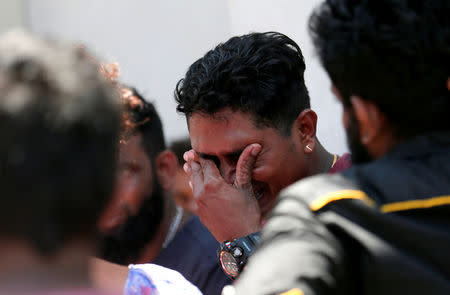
(233, 255)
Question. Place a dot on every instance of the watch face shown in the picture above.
(229, 264)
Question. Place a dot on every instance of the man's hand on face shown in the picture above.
(228, 211)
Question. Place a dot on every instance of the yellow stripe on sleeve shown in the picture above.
(295, 291)
(416, 204)
(340, 195)
(324, 200)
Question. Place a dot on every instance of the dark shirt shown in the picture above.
(378, 228)
(192, 253)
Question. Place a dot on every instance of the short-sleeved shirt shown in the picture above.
(152, 279)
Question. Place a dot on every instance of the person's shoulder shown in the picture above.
(139, 282)
(310, 188)
(316, 193)
(200, 234)
(192, 252)
(193, 237)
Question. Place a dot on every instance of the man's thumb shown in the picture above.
(245, 165)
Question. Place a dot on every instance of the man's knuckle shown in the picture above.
(211, 187)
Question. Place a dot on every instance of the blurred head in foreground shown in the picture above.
(389, 63)
(59, 122)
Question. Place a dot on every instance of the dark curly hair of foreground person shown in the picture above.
(367, 47)
(59, 125)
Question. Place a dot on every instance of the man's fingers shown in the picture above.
(210, 170)
(190, 155)
(187, 169)
(193, 169)
(245, 165)
(196, 176)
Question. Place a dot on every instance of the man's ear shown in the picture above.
(304, 129)
(370, 119)
(166, 169)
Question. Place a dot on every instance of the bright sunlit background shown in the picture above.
(156, 41)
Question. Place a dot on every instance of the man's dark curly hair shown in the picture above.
(140, 116)
(59, 125)
(260, 74)
(395, 53)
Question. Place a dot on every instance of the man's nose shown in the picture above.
(228, 172)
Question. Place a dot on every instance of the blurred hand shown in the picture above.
(228, 211)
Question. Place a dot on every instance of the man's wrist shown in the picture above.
(243, 232)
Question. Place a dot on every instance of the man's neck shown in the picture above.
(23, 270)
(383, 143)
(322, 160)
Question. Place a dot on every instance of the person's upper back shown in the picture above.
(411, 189)
(378, 228)
(390, 217)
